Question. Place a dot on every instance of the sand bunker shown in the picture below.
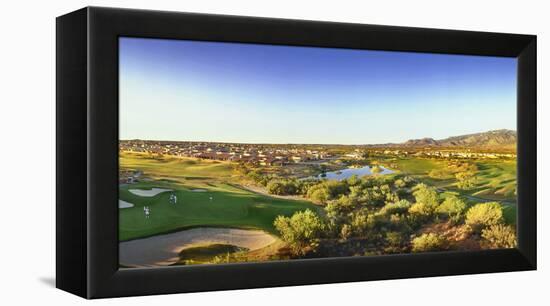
(199, 190)
(164, 249)
(124, 204)
(148, 193)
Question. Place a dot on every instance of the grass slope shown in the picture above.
(229, 207)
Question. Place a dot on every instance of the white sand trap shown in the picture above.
(124, 204)
(164, 249)
(148, 193)
(199, 190)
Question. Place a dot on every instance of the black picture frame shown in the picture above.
(87, 152)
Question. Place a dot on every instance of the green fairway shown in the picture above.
(416, 166)
(176, 169)
(216, 203)
(496, 180)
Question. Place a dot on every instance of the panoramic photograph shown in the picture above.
(234, 153)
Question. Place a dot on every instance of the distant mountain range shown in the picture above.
(491, 139)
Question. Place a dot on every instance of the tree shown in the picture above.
(334, 216)
(428, 242)
(318, 194)
(427, 201)
(453, 208)
(500, 236)
(275, 187)
(301, 231)
(427, 195)
(282, 187)
(484, 215)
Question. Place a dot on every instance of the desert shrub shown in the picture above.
(465, 180)
(399, 207)
(421, 211)
(428, 242)
(334, 216)
(347, 202)
(500, 236)
(345, 232)
(484, 215)
(453, 208)
(327, 190)
(354, 180)
(427, 201)
(336, 188)
(400, 183)
(301, 231)
(360, 223)
(395, 239)
(318, 194)
(282, 187)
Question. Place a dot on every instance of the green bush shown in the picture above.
(500, 236)
(427, 201)
(399, 207)
(282, 187)
(360, 223)
(453, 208)
(428, 242)
(484, 215)
(318, 194)
(301, 231)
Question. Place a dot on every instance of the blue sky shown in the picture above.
(251, 93)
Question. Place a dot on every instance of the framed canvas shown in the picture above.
(204, 152)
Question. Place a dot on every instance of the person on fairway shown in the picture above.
(147, 212)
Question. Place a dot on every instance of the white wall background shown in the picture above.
(27, 152)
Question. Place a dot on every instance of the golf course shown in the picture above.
(495, 180)
(183, 210)
(205, 198)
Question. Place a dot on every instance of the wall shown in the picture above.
(27, 125)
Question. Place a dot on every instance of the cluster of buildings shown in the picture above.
(261, 154)
(447, 154)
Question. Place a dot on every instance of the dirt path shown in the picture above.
(163, 250)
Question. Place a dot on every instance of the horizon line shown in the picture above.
(333, 144)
